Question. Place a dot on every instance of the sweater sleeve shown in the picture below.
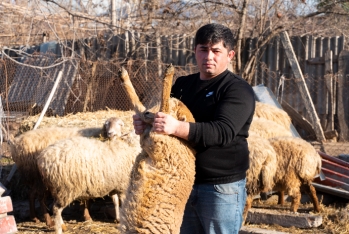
(232, 117)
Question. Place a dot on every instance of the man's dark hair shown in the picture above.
(214, 33)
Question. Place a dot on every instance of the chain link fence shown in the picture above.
(89, 86)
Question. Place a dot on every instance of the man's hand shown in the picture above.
(138, 124)
(166, 124)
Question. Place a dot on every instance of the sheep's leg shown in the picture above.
(166, 89)
(59, 225)
(248, 205)
(130, 91)
(115, 199)
(87, 205)
(46, 214)
(32, 212)
(296, 200)
(310, 190)
(281, 197)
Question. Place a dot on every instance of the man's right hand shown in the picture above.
(138, 124)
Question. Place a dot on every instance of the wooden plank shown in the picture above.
(300, 81)
(321, 60)
(329, 85)
(250, 230)
(298, 119)
(284, 219)
(343, 94)
(320, 91)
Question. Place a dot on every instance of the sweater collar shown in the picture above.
(214, 79)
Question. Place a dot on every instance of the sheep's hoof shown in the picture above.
(64, 228)
(36, 220)
(50, 224)
(87, 218)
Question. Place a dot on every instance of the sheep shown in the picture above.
(297, 165)
(80, 168)
(267, 128)
(161, 183)
(26, 147)
(267, 111)
(259, 176)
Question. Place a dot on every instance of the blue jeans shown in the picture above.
(215, 209)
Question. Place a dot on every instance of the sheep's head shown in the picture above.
(112, 127)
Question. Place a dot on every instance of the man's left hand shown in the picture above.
(165, 124)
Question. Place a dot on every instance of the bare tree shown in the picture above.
(25, 23)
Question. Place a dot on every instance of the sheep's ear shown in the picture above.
(105, 124)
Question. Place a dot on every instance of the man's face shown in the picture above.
(212, 59)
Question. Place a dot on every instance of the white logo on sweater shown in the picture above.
(209, 94)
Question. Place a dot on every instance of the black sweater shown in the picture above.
(223, 108)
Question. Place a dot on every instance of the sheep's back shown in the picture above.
(79, 167)
(296, 156)
(267, 111)
(268, 129)
(32, 142)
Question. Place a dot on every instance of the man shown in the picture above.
(223, 106)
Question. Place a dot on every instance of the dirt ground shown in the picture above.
(102, 213)
(335, 215)
(335, 210)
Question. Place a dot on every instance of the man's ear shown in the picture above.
(231, 54)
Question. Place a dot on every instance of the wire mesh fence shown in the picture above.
(89, 86)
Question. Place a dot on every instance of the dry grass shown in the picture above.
(335, 216)
(83, 120)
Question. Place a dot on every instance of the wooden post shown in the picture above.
(300, 82)
(158, 52)
(330, 90)
(113, 15)
(90, 96)
(342, 105)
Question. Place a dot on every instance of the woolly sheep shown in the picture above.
(297, 165)
(267, 111)
(26, 148)
(162, 182)
(259, 176)
(80, 168)
(267, 128)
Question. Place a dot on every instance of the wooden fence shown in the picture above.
(322, 62)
